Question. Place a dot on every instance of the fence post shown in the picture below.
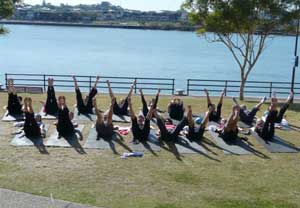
(90, 82)
(271, 88)
(6, 80)
(135, 81)
(226, 84)
(188, 87)
(44, 76)
(173, 86)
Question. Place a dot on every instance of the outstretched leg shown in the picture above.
(80, 103)
(51, 106)
(145, 106)
(284, 108)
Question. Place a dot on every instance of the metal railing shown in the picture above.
(65, 82)
(232, 87)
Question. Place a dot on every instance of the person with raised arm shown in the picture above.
(31, 127)
(121, 108)
(196, 134)
(247, 116)
(266, 129)
(152, 103)
(85, 106)
(176, 109)
(64, 125)
(169, 132)
(14, 105)
(140, 124)
(104, 124)
(215, 115)
(51, 106)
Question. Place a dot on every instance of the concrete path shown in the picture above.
(13, 199)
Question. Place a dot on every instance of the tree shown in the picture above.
(243, 26)
(6, 10)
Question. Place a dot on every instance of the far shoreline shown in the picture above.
(93, 25)
(115, 26)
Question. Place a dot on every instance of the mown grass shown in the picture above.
(102, 179)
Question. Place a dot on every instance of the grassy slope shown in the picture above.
(103, 179)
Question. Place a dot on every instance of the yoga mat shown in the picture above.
(121, 119)
(244, 126)
(237, 148)
(184, 146)
(84, 117)
(151, 145)
(47, 116)
(92, 143)
(276, 145)
(21, 140)
(71, 140)
(11, 118)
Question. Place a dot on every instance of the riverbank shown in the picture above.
(120, 25)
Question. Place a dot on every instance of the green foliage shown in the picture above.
(6, 10)
(241, 16)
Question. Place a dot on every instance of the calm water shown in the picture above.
(119, 52)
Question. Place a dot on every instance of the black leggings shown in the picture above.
(176, 112)
(121, 110)
(145, 106)
(81, 106)
(248, 117)
(167, 135)
(64, 125)
(31, 128)
(282, 111)
(195, 135)
(51, 107)
(14, 106)
(268, 130)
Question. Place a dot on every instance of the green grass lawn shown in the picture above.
(102, 179)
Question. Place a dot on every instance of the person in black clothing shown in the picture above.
(121, 108)
(166, 134)
(229, 132)
(247, 116)
(51, 107)
(215, 115)
(64, 125)
(104, 125)
(140, 125)
(266, 129)
(14, 106)
(153, 102)
(176, 109)
(85, 106)
(193, 133)
(31, 127)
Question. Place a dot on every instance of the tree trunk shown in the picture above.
(242, 88)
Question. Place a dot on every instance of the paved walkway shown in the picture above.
(13, 199)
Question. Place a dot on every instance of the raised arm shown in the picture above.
(156, 99)
(111, 94)
(131, 111)
(207, 97)
(131, 89)
(111, 111)
(98, 113)
(221, 97)
(150, 113)
(75, 82)
(96, 82)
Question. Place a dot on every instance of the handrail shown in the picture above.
(64, 81)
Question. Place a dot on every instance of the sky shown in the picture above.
(145, 5)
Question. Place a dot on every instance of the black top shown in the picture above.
(138, 133)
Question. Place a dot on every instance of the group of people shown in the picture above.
(168, 130)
